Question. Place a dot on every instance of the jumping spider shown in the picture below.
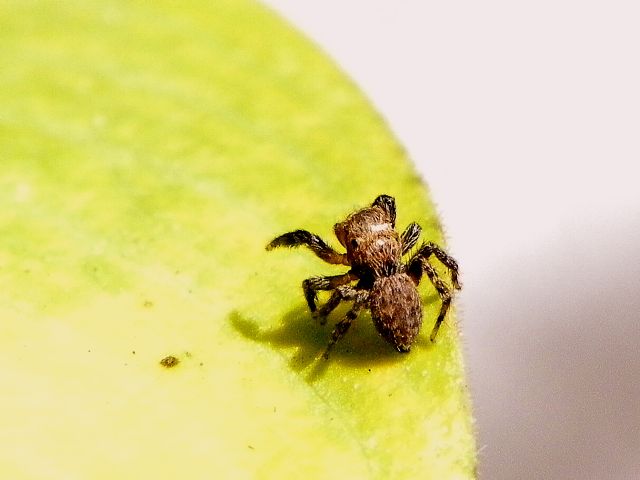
(384, 285)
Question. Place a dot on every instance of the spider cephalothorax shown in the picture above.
(385, 284)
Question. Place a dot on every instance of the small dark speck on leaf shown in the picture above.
(250, 447)
(169, 361)
(148, 304)
(133, 352)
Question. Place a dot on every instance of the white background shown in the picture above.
(524, 119)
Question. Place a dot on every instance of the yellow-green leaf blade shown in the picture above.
(149, 152)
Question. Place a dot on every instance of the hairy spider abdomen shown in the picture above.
(396, 310)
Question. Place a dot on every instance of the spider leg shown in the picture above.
(425, 251)
(314, 242)
(345, 292)
(388, 204)
(410, 237)
(419, 263)
(312, 285)
(359, 297)
(445, 296)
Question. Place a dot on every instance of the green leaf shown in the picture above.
(148, 152)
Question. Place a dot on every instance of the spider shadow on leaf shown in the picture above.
(362, 347)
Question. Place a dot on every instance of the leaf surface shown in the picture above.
(148, 152)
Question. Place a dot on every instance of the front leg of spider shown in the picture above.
(388, 204)
(313, 242)
(322, 250)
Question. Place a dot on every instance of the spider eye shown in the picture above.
(354, 243)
